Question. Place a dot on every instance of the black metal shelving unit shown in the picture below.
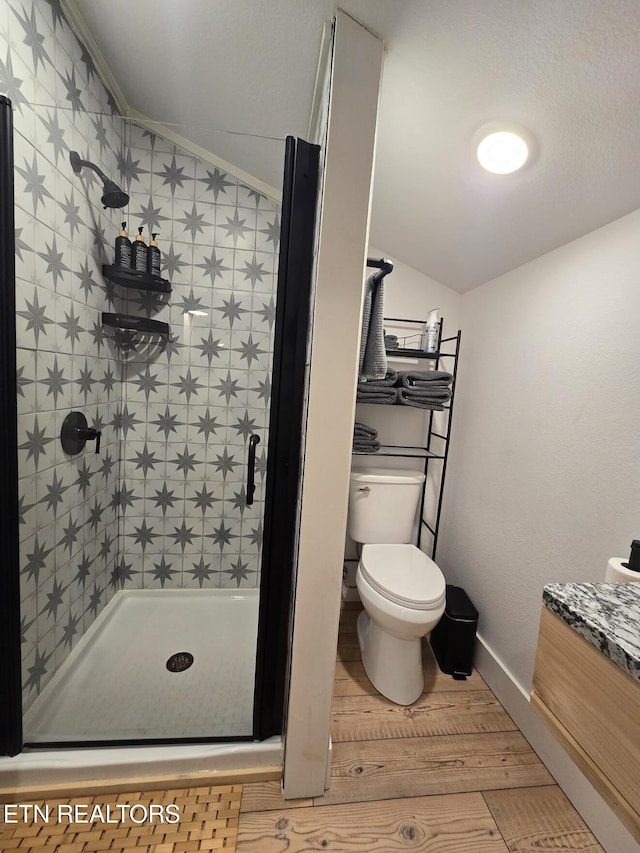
(436, 447)
(411, 353)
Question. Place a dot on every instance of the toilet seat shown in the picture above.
(403, 574)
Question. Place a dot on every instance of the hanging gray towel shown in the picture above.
(424, 378)
(373, 359)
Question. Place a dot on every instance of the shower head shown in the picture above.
(112, 195)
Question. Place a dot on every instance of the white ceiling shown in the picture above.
(567, 70)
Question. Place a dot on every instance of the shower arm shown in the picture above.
(77, 165)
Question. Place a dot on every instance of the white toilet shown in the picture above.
(402, 590)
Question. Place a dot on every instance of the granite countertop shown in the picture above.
(605, 614)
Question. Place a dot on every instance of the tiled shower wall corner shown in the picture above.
(191, 405)
(69, 524)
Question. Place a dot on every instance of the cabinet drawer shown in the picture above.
(594, 708)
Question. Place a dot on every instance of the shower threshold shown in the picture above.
(209, 763)
(156, 665)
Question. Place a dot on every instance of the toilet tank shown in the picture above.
(383, 504)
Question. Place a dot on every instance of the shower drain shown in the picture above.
(179, 662)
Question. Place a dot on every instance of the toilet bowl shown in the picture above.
(402, 590)
(403, 594)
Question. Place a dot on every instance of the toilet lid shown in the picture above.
(404, 574)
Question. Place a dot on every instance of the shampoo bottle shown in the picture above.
(139, 253)
(153, 256)
(433, 327)
(123, 248)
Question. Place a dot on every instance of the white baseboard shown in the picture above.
(602, 821)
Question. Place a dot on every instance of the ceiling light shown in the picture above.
(503, 152)
(195, 313)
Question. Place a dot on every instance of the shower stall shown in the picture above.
(149, 558)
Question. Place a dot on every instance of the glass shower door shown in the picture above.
(141, 559)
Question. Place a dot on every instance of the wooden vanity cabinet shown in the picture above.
(593, 708)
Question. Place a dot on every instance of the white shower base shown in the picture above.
(40, 768)
(115, 684)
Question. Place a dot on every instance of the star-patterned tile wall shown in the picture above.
(193, 404)
(163, 504)
(68, 505)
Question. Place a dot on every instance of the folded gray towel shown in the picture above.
(390, 378)
(424, 378)
(439, 393)
(422, 400)
(366, 446)
(364, 431)
(369, 392)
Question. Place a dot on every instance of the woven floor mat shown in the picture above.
(168, 821)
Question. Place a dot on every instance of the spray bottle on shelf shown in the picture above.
(123, 248)
(433, 328)
(139, 253)
(153, 256)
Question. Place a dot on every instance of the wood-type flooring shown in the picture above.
(449, 774)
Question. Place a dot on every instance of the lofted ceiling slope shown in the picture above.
(569, 72)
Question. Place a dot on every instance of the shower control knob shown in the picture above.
(89, 434)
(76, 432)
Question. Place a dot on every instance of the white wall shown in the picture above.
(545, 457)
(544, 482)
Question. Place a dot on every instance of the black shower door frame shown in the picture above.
(10, 669)
(286, 426)
(292, 325)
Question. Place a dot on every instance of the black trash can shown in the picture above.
(453, 639)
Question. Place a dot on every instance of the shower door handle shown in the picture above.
(251, 469)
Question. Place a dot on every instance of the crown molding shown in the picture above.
(204, 154)
(81, 29)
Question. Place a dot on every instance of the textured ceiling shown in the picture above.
(567, 70)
